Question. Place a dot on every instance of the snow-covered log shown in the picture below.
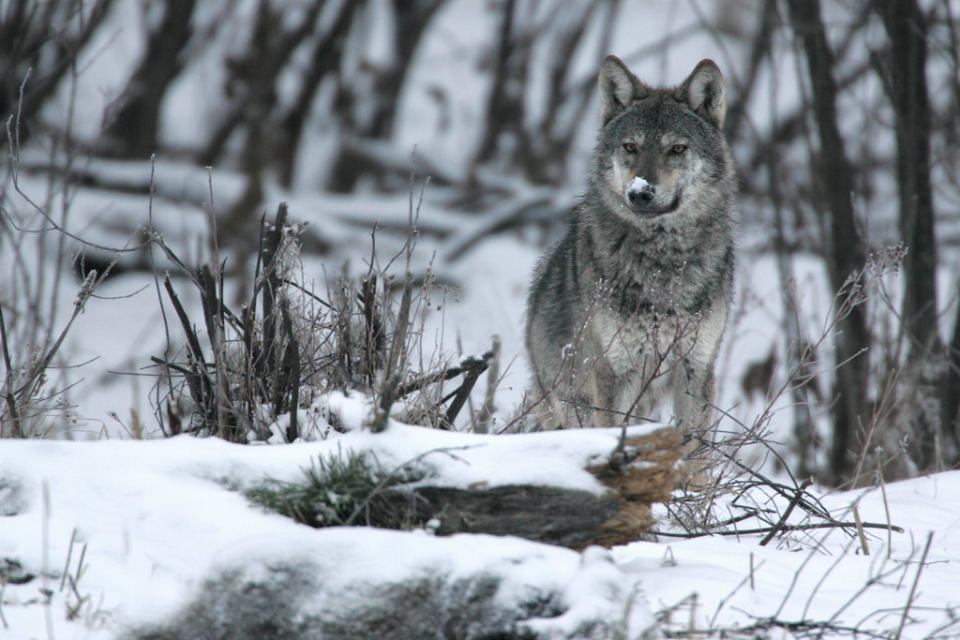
(572, 488)
(634, 477)
(159, 531)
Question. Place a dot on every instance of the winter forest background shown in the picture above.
(284, 220)
(843, 117)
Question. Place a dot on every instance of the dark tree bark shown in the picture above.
(795, 353)
(845, 250)
(411, 18)
(257, 74)
(951, 393)
(905, 80)
(907, 86)
(133, 132)
(44, 37)
(759, 51)
(324, 59)
(568, 517)
(644, 471)
(505, 103)
(545, 158)
(253, 76)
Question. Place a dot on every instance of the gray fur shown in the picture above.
(634, 299)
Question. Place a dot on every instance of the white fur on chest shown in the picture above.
(648, 355)
(639, 342)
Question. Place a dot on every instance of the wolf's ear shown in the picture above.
(618, 88)
(703, 91)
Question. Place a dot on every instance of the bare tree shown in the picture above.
(505, 102)
(760, 50)
(541, 148)
(366, 103)
(904, 79)
(326, 50)
(845, 253)
(40, 40)
(253, 75)
(133, 131)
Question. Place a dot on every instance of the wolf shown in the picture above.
(633, 301)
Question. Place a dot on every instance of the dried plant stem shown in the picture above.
(493, 379)
(863, 538)
(835, 524)
(786, 514)
(8, 385)
(913, 587)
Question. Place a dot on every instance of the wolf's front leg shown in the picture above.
(693, 410)
(693, 382)
(604, 389)
(693, 392)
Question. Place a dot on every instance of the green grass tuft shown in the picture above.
(342, 490)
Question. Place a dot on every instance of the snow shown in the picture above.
(157, 518)
(635, 186)
(825, 581)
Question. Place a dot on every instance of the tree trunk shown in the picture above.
(133, 132)
(794, 352)
(636, 471)
(760, 48)
(411, 18)
(845, 251)
(906, 84)
(253, 75)
(39, 45)
(951, 392)
(504, 122)
(327, 51)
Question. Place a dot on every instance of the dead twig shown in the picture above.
(786, 514)
(473, 368)
(913, 587)
(776, 528)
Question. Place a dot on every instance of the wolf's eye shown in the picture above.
(630, 147)
(677, 149)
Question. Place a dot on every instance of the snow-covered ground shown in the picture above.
(115, 534)
(118, 534)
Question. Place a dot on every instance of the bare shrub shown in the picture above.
(740, 489)
(35, 245)
(287, 346)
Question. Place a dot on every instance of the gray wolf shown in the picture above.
(632, 302)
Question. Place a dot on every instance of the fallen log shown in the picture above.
(567, 517)
(572, 488)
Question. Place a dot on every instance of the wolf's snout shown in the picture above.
(640, 192)
(641, 197)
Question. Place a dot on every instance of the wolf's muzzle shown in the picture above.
(641, 198)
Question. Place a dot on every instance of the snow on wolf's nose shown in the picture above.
(639, 189)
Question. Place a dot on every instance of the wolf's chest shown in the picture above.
(659, 274)
(642, 341)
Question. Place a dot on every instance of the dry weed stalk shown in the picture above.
(35, 258)
(287, 345)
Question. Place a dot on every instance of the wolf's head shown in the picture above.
(660, 150)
